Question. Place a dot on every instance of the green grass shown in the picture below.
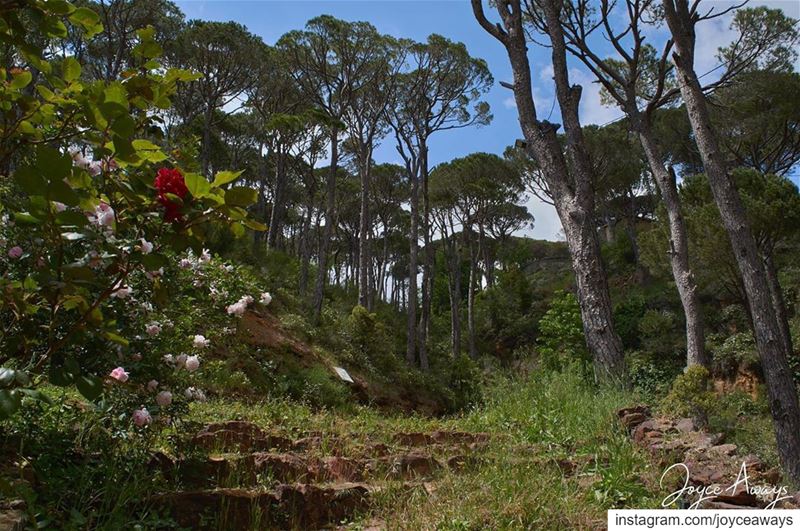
(519, 484)
(536, 425)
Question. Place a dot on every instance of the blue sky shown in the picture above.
(417, 19)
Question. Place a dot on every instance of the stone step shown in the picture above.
(268, 468)
(243, 436)
(287, 506)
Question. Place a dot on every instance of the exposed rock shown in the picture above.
(724, 449)
(414, 465)
(641, 408)
(413, 439)
(376, 450)
(13, 519)
(631, 420)
(685, 425)
(708, 504)
(656, 426)
(234, 508)
(296, 506)
(772, 476)
(238, 436)
(283, 468)
(711, 463)
(313, 506)
(342, 469)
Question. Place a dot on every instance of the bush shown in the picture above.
(317, 388)
(95, 212)
(627, 318)
(368, 340)
(731, 353)
(561, 340)
(464, 383)
(660, 333)
(652, 375)
(691, 396)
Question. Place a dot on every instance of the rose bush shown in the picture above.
(94, 215)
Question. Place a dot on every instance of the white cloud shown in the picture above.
(510, 103)
(546, 225)
(592, 111)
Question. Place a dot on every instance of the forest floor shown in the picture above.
(546, 454)
(544, 450)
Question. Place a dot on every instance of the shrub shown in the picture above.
(317, 388)
(652, 375)
(369, 344)
(691, 395)
(218, 377)
(95, 211)
(627, 318)
(660, 332)
(731, 353)
(464, 382)
(561, 340)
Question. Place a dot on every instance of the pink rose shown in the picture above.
(164, 398)
(200, 341)
(15, 252)
(119, 374)
(152, 385)
(141, 417)
(192, 363)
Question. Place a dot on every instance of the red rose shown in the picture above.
(170, 181)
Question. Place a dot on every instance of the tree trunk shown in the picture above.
(572, 194)
(776, 293)
(205, 149)
(364, 255)
(430, 257)
(780, 385)
(679, 249)
(413, 238)
(330, 214)
(454, 288)
(592, 291)
(278, 200)
(473, 273)
(305, 252)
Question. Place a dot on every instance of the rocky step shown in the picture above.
(417, 439)
(288, 506)
(268, 468)
(243, 436)
(709, 463)
(13, 516)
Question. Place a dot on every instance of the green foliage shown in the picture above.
(659, 331)
(82, 231)
(691, 395)
(464, 384)
(219, 378)
(730, 353)
(561, 341)
(627, 318)
(368, 340)
(317, 387)
(652, 375)
(505, 315)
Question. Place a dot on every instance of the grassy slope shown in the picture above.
(535, 424)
